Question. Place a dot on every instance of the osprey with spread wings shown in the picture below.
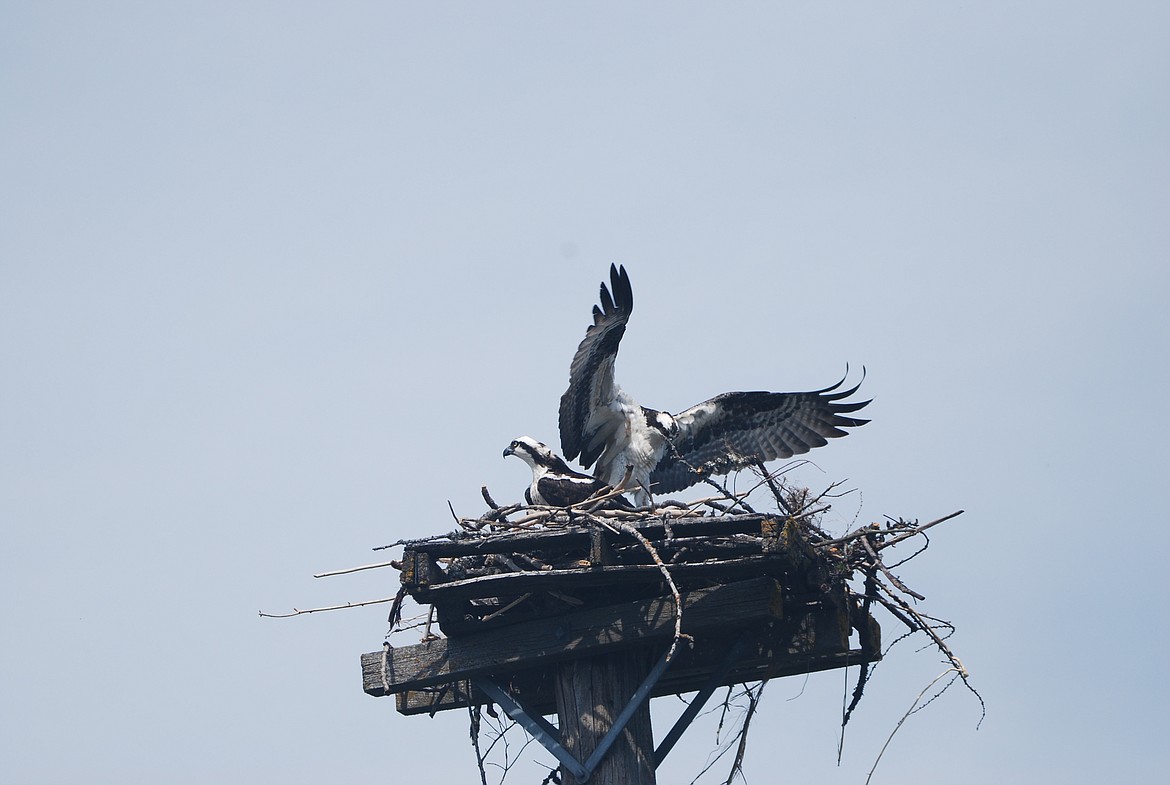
(602, 425)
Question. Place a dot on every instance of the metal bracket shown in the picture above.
(541, 730)
(697, 703)
(537, 726)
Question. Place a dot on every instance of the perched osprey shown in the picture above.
(553, 482)
(600, 424)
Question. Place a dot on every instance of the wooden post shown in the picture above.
(591, 692)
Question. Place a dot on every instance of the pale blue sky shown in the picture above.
(278, 280)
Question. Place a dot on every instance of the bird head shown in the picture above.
(663, 422)
(530, 451)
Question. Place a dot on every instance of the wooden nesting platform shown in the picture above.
(515, 605)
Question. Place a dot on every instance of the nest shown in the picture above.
(522, 562)
(519, 563)
(684, 577)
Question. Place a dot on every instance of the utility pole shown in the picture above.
(591, 693)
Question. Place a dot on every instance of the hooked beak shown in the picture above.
(509, 451)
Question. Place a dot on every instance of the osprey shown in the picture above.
(553, 483)
(600, 424)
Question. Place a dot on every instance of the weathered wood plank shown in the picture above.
(519, 646)
(805, 642)
(578, 536)
(420, 569)
(514, 583)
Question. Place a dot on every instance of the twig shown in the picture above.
(750, 691)
(937, 695)
(925, 545)
(873, 528)
(678, 607)
(897, 614)
(305, 611)
(507, 607)
(877, 562)
(723, 713)
(427, 634)
(474, 729)
(927, 628)
(418, 541)
(904, 718)
(919, 529)
(600, 498)
(487, 497)
(770, 480)
(853, 535)
(753, 702)
(393, 563)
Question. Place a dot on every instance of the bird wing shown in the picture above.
(739, 429)
(563, 490)
(589, 415)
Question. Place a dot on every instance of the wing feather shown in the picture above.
(561, 491)
(587, 419)
(738, 429)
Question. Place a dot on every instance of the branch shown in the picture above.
(919, 529)
(487, 497)
(678, 607)
(395, 564)
(904, 718)
(737, 764)
(297, 612)
(877, 562)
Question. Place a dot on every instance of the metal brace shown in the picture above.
(541, 730)
(697, 703)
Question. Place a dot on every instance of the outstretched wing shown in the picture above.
(588, 417)
(739, 429)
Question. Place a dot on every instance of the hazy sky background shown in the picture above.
(279, 280)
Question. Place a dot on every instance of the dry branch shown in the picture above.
(392, 563)
(296, 612)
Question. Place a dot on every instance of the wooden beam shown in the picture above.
(807, 641)
(420, 569)
(520, 646)
(515, 583)
(578, 535)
